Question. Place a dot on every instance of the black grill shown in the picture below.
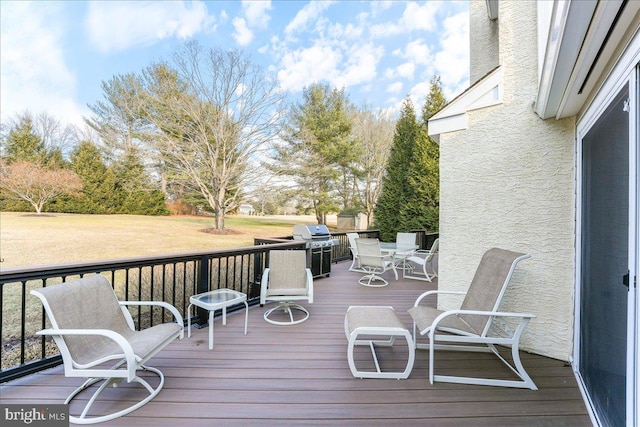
(320, 242)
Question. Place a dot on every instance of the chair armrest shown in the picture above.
(166, 305)
(448, 313)
(263, 286)
(127, 350)
(423, 253)
(428, 293)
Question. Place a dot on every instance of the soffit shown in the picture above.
(484, 93)
(585, 38)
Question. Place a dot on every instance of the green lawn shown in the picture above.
(28, 240)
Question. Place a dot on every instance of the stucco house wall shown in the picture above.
(484, 44)
(508, 181)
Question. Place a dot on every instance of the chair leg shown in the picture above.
(288, 308)
(353, 265)
(83, 419)
(432, 356)
(370, 279)
(424, 275)
(525, 379)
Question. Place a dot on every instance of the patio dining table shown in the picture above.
(399, 252)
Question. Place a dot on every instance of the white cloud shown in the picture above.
(380, 6)
(307, 14)
(116, 26)
(420, 17)
(33, 68)
(418, 94)
(302, 67)
(384, 30)
(405, 70)
(348, 31)
(255, 13)
(418, 52)
(395, 87)
(415, 17)
(361, 66)
(452, 61)
(329, 60)
(242, 34)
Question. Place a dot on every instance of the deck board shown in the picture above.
(298, 375)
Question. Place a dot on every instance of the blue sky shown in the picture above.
(55, 54)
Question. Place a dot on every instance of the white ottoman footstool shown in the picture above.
(376, 326)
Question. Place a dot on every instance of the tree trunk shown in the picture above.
(220, 219)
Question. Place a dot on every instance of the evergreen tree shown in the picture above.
(133, 192)
(395, 184)
(97, 196)
(421, 210)
(24, 143)
(319, 155)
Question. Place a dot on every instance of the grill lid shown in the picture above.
(310, 232)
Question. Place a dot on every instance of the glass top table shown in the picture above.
(218, 299)
(393, 247)
(399, 253)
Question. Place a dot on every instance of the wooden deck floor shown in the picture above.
(298, 375)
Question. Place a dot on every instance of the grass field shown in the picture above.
(28, 240)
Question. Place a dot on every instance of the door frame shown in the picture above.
(626, 71)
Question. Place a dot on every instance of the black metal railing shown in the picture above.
(425, 238)
(170, 278)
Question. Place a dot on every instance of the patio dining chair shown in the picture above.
(422, 264)
(353, 247)
(285, 281)
(405, 247)
(374, 263)
(471, 327)
(97, 339)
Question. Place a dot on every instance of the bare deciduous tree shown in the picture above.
(55, 135)
(215, 114)
(374, 131)
(36, 183)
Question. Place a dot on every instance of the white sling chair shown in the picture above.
(374, 263)
(287, 279)
(424, 268)
(469, 328)
(405, 247)
(92, 328)
(355, 264)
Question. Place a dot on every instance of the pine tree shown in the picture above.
(395, 185)
(421, 210)
(23, 142)
(319, 154)
(134, 193)
(97, 196)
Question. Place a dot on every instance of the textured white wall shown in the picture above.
(508, 181)
(484, 43)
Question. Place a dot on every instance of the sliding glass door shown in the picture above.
(608, 252)
(605, 231)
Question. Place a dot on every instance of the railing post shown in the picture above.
(203, 286)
